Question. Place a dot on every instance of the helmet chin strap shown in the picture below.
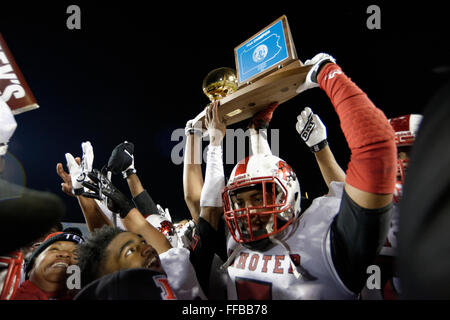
(299, 271)
(223, 268)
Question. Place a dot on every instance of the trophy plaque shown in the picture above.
(267, 71)
(14, 89)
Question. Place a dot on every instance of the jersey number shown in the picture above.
(249, 289)
(163, 284)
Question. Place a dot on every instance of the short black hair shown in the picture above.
(91, 253)
(58, 226)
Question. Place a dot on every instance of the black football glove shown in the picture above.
(118, 202)
(122, 159)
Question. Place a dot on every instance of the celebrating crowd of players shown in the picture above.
(251, 237)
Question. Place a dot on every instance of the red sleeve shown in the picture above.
(372, 166)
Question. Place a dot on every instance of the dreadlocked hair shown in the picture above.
(92, 252)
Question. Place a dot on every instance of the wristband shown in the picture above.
(128, 172)
(78, 192)
(144, 203)
(193, 130)
(317, 147)
(319, 67)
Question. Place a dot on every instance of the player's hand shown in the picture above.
(101, 184)
(262, 119)
(311, 129)
(66, 185)
(215, 126)
(122, 159)
(78, 169)
(185, 233)
(311, 77)
(164, 213)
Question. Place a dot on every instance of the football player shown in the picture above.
(122, 162)
(278, 250)
(144, 244)
(97, 212)
(405, 128)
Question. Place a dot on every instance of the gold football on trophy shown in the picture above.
(219, 83)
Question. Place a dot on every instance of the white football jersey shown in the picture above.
(391, 248)
(181, 274)
(394, 227)
(268, 275)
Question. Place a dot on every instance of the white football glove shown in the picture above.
(312, 130)
(164, 213)
(185, 233)
(311, 77)
(78, 173)
(88, 157)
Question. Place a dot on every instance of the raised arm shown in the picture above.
(371, 172)
(71, 185)
(359, 229)
(121, 162)
(131, 218)
(211, 197)
(314, 133)
(192, 170)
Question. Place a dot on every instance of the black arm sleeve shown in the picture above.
(357, 236)
(205, 244)
(144, 203)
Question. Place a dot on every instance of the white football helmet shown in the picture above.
(163, 222)
(277, 203)
(185, 232)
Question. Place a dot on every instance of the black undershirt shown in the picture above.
(357, 236)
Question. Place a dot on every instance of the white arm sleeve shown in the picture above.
(214, 178)
(181, 274)
(258, 141)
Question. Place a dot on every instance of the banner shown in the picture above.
(14, 89)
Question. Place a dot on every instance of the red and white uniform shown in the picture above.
(300, 264)
(181, 274)
(268, 274)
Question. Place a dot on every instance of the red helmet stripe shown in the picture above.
(241, 167)
(400, 123)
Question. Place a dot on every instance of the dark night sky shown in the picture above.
(134, 72)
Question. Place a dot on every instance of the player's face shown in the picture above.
(403, 154)
(52, 263)
(253, 198)
(129, 250)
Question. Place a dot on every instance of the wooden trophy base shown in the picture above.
(279, 86)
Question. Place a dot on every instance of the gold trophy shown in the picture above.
(267, 71)
(219, 83)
